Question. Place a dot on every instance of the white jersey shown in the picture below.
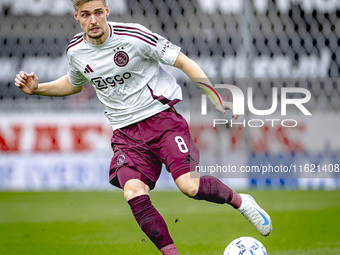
(126, 73)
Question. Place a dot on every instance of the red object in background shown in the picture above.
(79, 133)
(46, 139)
(11, 144)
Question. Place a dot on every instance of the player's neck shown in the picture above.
(98, 41)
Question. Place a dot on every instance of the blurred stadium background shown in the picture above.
(64, 143)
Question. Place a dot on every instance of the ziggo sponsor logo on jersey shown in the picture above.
(104, 83)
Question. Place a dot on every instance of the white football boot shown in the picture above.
(255, 215)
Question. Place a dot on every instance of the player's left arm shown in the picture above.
(195, 73)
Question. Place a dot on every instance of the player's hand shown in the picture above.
(28, 83)
(226, 106)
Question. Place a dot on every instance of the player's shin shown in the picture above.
(213, 190)
(152, 224)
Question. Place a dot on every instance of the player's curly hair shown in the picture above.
(77, 3)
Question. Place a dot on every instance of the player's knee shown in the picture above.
(128, 194)
(135, 188)
(189, 189)
(188, 185)
(131, 193)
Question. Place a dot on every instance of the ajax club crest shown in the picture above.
(120, 159)
(121, 58)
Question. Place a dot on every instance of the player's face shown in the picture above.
(92, 18)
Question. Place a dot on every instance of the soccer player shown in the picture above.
(122, 62)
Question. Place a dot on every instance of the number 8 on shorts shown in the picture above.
(181, 144)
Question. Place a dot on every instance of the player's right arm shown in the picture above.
(29, 84)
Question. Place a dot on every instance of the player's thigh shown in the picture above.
(174, 145)
(183, 154)
(132, 158)
(188, 183)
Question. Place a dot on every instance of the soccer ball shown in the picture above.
(245, 246)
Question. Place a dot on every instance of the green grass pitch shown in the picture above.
(305, 222)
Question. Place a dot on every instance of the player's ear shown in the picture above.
(107, 11)
(76, 15)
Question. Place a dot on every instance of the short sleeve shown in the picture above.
(76, 78)
(157, 47)
(166, 52)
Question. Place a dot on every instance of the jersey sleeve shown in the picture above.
(76, 78)
(159, 49)
(165, 52)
